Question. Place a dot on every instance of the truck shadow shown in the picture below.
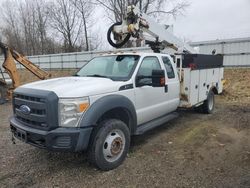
(140, 140)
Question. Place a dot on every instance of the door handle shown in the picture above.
(166, 88)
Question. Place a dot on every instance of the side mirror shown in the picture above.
(158, 78)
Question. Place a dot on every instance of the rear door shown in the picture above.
(172, 83)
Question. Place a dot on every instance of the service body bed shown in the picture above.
(198, 75)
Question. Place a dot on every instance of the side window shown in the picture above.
(148, 64)
(169, 67)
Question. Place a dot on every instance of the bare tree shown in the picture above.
(115, 8)
(95, 41)
(25, 26)
(85, 8)
(10, 28)
(49, 26)
(27, 17)
(156, 8)
(42, 24)
(64, 19)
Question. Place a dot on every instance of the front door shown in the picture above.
(151, 102)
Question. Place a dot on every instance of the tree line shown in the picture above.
(35, 27)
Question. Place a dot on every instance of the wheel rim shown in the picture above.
(210, 102)
(113, 146)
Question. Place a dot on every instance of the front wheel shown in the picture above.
(110, 144)
(208, 105)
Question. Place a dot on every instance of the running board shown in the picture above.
(141, 129)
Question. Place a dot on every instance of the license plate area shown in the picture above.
(20, 134)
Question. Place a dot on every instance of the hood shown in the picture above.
(68, 87)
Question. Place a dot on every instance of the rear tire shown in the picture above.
(109, 144)
(208, 105)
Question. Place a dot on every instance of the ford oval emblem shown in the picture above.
(25, 109)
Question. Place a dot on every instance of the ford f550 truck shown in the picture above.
(111, 98)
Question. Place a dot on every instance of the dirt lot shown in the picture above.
(195, 150)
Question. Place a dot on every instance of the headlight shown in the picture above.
(71, 110)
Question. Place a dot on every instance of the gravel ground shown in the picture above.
(195, 150)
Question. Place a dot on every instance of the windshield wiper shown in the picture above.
(97, 75)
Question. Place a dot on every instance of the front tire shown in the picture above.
(208, 105)
(110, 144)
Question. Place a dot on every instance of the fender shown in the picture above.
(214, 89)
(106, 103)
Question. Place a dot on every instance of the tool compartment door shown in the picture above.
(213, 75)
(194, 87)
(202, 85)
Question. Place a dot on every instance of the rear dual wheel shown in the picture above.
(208, 105)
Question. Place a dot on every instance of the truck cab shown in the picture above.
(111, 98)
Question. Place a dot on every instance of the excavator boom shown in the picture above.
(10, 67)
(14, 55)
(30, 66)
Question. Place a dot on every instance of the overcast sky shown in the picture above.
(208, 20)
(204, 20)
(214, 19)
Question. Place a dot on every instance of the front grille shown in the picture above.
(30, 122)
(30, 98)
(38, 111)
(42, 105)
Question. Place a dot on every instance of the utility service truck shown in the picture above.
(117, 95)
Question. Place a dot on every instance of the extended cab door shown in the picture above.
(172, 81)
(152, 102)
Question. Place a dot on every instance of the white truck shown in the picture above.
(110, 99)
(114, 97)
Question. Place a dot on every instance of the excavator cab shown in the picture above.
(5, 83)
(2, 81)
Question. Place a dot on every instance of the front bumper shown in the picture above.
(59, 139)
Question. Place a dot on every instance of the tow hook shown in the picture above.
(13, 138)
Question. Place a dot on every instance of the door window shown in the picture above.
(148, 64)
(169, 67)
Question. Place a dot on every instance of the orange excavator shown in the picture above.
(9, 76)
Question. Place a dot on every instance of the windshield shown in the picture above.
(115, 67)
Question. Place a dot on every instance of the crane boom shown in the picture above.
(138, 25)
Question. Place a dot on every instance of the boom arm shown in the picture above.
(10, 66)
(30, 66)
(138, 25)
